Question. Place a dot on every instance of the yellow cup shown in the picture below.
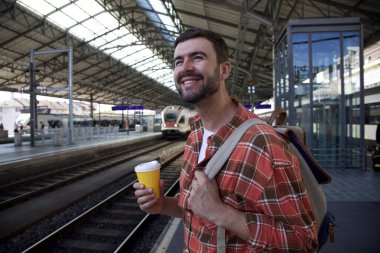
(148, 174)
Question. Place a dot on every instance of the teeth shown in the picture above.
(189, 82)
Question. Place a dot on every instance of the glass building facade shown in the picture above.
(319, 82)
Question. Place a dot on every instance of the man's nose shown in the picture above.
(188, 65)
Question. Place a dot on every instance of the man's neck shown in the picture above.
(216, 111)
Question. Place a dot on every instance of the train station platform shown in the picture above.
(18, 160)
(353, 197)
(10, 152)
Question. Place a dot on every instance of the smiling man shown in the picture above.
(258, 196)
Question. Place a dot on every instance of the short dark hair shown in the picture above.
(217, 41)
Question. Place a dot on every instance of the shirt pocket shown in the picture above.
(282, 158)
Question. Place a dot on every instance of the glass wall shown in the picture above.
(282, 75)
(301, 69)
(327, 94)
(324, 92)
(353, 96)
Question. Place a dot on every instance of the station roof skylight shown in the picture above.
(90, 22)
(158, 12)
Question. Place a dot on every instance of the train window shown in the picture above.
(182, 120)
(170, 117)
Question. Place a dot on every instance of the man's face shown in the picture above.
(196, 72)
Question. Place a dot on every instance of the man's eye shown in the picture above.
(177, 63)
(198, 58)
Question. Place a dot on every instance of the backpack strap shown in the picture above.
(224, 152)
(220, 158)
(278, 115)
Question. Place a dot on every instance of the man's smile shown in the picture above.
(189, 79)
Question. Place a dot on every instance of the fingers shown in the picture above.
(145, 198)
(138, 186)
(200, 176)
(141, 192)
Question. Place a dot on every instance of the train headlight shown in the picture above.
(176, 125)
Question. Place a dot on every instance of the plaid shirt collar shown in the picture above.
(216, 140)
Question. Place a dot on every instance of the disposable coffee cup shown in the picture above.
(148, 174)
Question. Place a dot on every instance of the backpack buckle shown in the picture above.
(332, 232)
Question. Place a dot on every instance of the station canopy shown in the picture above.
(123, 49)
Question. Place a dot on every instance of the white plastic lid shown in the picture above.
(149, 166)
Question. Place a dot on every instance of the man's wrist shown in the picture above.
(220, 216)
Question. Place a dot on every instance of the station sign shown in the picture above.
(263, 106)
(129, 107)
(119, 108)
(135, 107)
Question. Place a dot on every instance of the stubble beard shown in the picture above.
(206, 90)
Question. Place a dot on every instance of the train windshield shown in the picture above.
(170, 117)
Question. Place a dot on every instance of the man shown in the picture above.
(258, 196)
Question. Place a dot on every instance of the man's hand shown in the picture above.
(204, 198)
(147, 199)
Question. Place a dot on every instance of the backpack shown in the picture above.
(312, 172)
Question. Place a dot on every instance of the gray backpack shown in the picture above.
(312, 172)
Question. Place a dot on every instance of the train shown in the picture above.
(175, 121)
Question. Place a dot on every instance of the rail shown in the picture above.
(20, 191)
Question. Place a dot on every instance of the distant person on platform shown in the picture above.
(258, 196)
(1, 126)
(378, 136)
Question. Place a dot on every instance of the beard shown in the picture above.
(207, 89)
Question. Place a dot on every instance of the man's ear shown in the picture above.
(225, 69)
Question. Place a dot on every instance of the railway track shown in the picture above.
(17, 192)
(26, 222)
(112, 225)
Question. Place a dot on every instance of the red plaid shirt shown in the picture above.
(261, 179)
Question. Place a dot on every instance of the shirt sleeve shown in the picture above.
(281, 218)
